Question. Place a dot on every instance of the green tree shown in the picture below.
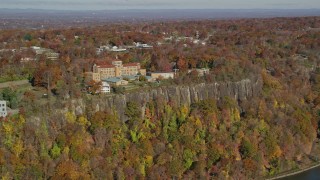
(134, 113)
(55, 151)
(188, 156)
(27, 37)
(118, 89)
(142, 78)
(214, 153)
(11, 96)
(247, 149)
(176, 168)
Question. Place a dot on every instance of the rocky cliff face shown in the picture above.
(183, 95)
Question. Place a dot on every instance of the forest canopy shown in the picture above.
(218, 138)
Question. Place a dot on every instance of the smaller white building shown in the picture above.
(117, 49)
(3, 109)
(163, 75)
(201, 72)
(99, 51)
(27, 59)
(141, 45)
(35, 47)
(105, 88)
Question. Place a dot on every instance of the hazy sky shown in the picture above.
(159, 4)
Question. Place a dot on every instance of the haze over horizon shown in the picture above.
(154, 4)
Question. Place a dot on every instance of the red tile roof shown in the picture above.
(104, 65)
(131, 64)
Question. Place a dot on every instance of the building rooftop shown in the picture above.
(108, 65)
(104, 65)
(148, 77)
(131, 77)
(131, 64)
(113, 79)
(162, 72)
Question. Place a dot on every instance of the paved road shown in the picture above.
(306, 171)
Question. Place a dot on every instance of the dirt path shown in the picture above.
(13, 83)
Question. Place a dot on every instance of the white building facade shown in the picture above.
(3, 109)
(105, 88)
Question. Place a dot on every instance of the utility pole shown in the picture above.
(48, 74)
(47, 77)
(48, 84)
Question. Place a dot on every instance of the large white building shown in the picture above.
(105, 88)
(3, 109)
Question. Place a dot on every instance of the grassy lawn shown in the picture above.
(131, 87)
(14, 84)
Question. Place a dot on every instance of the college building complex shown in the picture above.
(102, 71)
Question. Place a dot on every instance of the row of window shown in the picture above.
(107, 71)
(124, 70)
(132, 67)
(113, 69)
(2, 114)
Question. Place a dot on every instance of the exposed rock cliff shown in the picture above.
(183, 95)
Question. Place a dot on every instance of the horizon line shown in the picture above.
(121, 9)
